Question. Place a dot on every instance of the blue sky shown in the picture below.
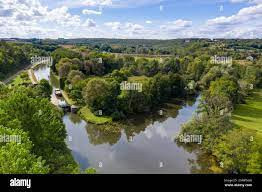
(157, 19)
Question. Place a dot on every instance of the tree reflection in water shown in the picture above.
(134, 125)
(102, 134)
(204, 163)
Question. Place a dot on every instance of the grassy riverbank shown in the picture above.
(249, 116)
(87, 115)
(67, 98)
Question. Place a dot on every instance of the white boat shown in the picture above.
(58, 92)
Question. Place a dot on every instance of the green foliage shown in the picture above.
(17, 158)
(100, 95)
(210, 127)
(64, 53)
(90, 171)
(43, 89)
(224, 88)
(238, 152)
(42, 121)
(14, 57)
(75, 76)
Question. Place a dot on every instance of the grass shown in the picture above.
(249, 116)
(67, 98)
(87, 115)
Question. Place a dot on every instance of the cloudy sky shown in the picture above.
(157, 19)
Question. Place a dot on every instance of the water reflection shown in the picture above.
(143, 144)
(103, 134)
(152, 142)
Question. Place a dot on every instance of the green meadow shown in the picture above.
(249, 116)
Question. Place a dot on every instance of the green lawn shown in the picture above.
(249, 115)
(87, 115)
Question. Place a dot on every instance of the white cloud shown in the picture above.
(132, 26)
(128, 29)
(96, 2)
(89, 23)
(176, 25)
(113, 25)
(91, 12)
(243, 16)
(31, 18)
(85, 3)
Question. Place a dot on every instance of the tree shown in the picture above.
(43, 89)
(73, 74)
(224, 87)
(64, 70)
(42, 121)
(237, 150)
(100, 95)
(16, 157)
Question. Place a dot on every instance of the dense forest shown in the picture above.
(16, 56)
(91, 74)
(149, 46)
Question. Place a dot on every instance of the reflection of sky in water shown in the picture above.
(42, 72)
(142, 155)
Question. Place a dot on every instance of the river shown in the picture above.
(144, 144)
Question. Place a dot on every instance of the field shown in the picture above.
(249, 115)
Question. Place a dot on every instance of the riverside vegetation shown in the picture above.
(92, 79)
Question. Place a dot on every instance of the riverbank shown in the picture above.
(249, 115)
(88, 116)
(32, 76)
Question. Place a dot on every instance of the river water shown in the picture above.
(143, 144)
